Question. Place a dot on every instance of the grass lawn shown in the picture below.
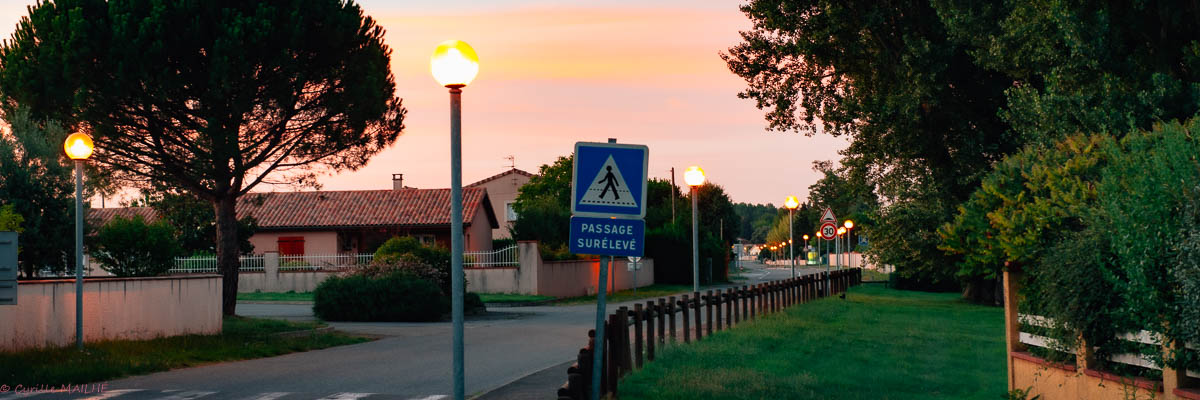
(275, 296)
(652, 291)
(240, 339)
(878, 344)
(512, 298)
(874, 276)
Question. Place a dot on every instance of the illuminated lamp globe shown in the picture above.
(454, 63)
(805, 237)
(78, 146)
(791, 202)
(841, 231)
(849, 224)
(694, 176)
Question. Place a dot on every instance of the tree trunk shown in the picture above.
(227, 252)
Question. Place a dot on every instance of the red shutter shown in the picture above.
(291, 246)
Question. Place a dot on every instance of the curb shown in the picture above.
(523, 377)
(522, 304)
(306, 332)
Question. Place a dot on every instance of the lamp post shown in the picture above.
(840, 250)
(791, 203)
(78, 147)
(805, 249)
(849, 248)
(694, 176)
(454, 64)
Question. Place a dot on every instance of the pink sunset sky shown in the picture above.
(554, 73)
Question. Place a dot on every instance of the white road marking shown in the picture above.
(191, 394)
(346, 396)
(108, 394)
(269, 396)
(434, 397)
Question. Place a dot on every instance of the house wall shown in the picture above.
(502, 191)
(315, 242)
(479, 234)
(113, 308)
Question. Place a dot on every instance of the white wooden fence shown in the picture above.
(257, 263)
(1139, 360)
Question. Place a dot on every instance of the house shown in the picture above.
(359, 221)
(503, 189)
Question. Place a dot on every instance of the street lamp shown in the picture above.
(78, 147)
(849, 248)
(694, 176)
(791, 203)
(837, 241)
(454, 64)
(805, 249)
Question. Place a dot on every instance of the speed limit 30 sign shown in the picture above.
(828, 231)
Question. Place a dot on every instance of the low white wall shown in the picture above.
(113, 308)
(298, 281)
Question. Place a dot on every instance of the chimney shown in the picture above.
(397, 181)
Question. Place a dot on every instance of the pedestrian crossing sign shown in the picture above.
(609, 180)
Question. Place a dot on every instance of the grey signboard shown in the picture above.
(8, 268)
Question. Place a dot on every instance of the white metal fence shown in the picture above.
(257, 263)
(319, 262)
(208, 264)
(1139, 360)
(506, 257)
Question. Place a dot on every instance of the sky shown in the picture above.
(556, 72)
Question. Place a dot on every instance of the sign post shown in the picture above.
(608, 204)
(828, 232)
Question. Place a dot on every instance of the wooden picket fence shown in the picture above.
(654, 324)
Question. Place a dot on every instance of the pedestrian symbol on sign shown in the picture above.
(609, 188)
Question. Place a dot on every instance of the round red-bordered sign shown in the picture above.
(828, 231)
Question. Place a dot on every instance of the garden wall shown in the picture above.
(113, 308)
(554, 278)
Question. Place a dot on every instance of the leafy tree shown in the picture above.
(921, 115)
(755, 220)
(132, 247)
(10, 221)
(1084, 66)
(36, 182)
(543, 205)
(195, 224)
(212, 97)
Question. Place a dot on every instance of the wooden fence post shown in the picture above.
(626, 363)
(708, 312)
(736, 303)
(696, 309)
(687, 331)
(671, 317)
(730, 305)
(662, 308)
(717, 297)
(609, 380)
(1012, 331)
(651, 315)
(637, 335)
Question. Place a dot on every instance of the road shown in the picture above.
(410, 361)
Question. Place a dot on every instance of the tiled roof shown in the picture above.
(501, 175)
(360, 208)
(101, 216)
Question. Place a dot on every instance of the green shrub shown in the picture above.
(408, 255)
(396, 297)
(131, 247)
(498, 244)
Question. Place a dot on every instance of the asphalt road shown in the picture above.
(410, 361)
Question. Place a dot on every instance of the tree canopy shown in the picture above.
(211, 97)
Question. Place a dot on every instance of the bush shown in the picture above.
(131, 247)
(408, 255)
(396, 297)
(498, 244)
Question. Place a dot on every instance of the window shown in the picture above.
(291, 245)
(510, 212)
(427, 240)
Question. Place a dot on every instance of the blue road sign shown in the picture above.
(608, 236)
(609, 180)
